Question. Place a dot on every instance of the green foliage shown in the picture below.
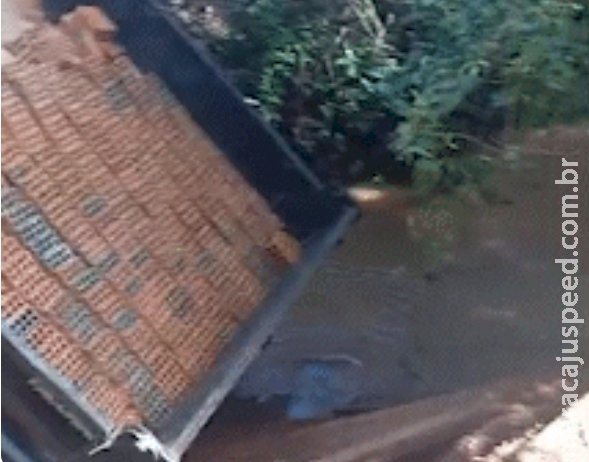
(369, 87)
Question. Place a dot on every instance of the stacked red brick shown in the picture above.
(131, 248)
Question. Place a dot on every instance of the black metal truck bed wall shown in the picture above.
(156, 43)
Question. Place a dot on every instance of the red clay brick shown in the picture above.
(162, 225)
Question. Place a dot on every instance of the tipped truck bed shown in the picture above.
(314, 213)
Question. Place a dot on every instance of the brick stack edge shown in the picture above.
(132, 249)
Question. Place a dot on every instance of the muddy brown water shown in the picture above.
(491, 301)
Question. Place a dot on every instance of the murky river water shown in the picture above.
(487, 307)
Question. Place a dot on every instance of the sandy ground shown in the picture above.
(568, 435)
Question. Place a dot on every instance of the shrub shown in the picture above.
(409, 88)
